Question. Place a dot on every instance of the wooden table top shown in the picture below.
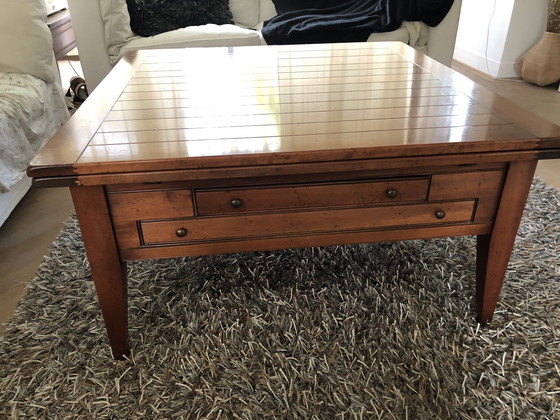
(163, 110)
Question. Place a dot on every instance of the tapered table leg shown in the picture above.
(494, 249)
(107, 269)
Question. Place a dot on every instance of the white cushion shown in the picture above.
(209, 35)
(267, 10)
(26, 44)
(116, 21)
(245, 12)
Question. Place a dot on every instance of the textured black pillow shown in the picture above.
(152, 17)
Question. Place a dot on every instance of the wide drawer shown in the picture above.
(240, 200)
(304, 222)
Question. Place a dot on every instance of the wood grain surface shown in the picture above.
(272, 104)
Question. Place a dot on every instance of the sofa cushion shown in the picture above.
(267, 10)
(25, 39)
(197, 36)
(116, 21)
(151, 18)
(245, 12)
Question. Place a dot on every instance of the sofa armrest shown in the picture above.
(90, 37)
(442, 37)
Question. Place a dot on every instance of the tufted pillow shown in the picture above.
(25, 39)
(245, 12)
(116, 21)
(267, 10)
(152, 17)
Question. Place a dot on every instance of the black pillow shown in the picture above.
(152, 17)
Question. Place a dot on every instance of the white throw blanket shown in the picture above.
(31, 111)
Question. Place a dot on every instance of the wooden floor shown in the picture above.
(34, 224)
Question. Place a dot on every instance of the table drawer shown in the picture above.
(157, 204)
(484, 186)
(304, 222)
(241, 200)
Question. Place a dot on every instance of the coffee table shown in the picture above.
(215, 150)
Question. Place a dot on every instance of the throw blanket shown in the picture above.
(322, 21)
(31, 111)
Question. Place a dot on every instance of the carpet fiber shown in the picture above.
(370, 331)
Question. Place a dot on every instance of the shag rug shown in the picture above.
(369, 331)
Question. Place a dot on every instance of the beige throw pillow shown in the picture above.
(26, 44)
(117, 26)
(245, 12)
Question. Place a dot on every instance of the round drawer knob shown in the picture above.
(236, 203)
(392, 193)
(182, 232)
(440, 214)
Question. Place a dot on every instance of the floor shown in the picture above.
(34, 224)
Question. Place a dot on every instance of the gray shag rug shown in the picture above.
(370, 331)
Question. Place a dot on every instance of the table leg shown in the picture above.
(107, 269)
(494, 249)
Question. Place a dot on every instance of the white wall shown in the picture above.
(527, 24)
(492, 34)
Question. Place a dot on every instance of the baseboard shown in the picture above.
(477, 61)
(487, 68)
(459, 65)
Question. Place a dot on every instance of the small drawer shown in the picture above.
(484, 186)
(157, 204)
(466, 185)
(344, 194)
(208, 229)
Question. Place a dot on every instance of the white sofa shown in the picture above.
(32, 105)
(103, 33)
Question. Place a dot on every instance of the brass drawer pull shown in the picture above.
(181, 233)
(392, 193)
(236, 203)
(440, 214)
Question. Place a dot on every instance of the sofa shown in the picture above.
(103, 33)
(32, 105)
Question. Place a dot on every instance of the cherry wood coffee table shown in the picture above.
(218, 150)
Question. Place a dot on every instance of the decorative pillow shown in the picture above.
(152, 17)
(245, 12)
(117, 26)
(25, 39)
(267, 10)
